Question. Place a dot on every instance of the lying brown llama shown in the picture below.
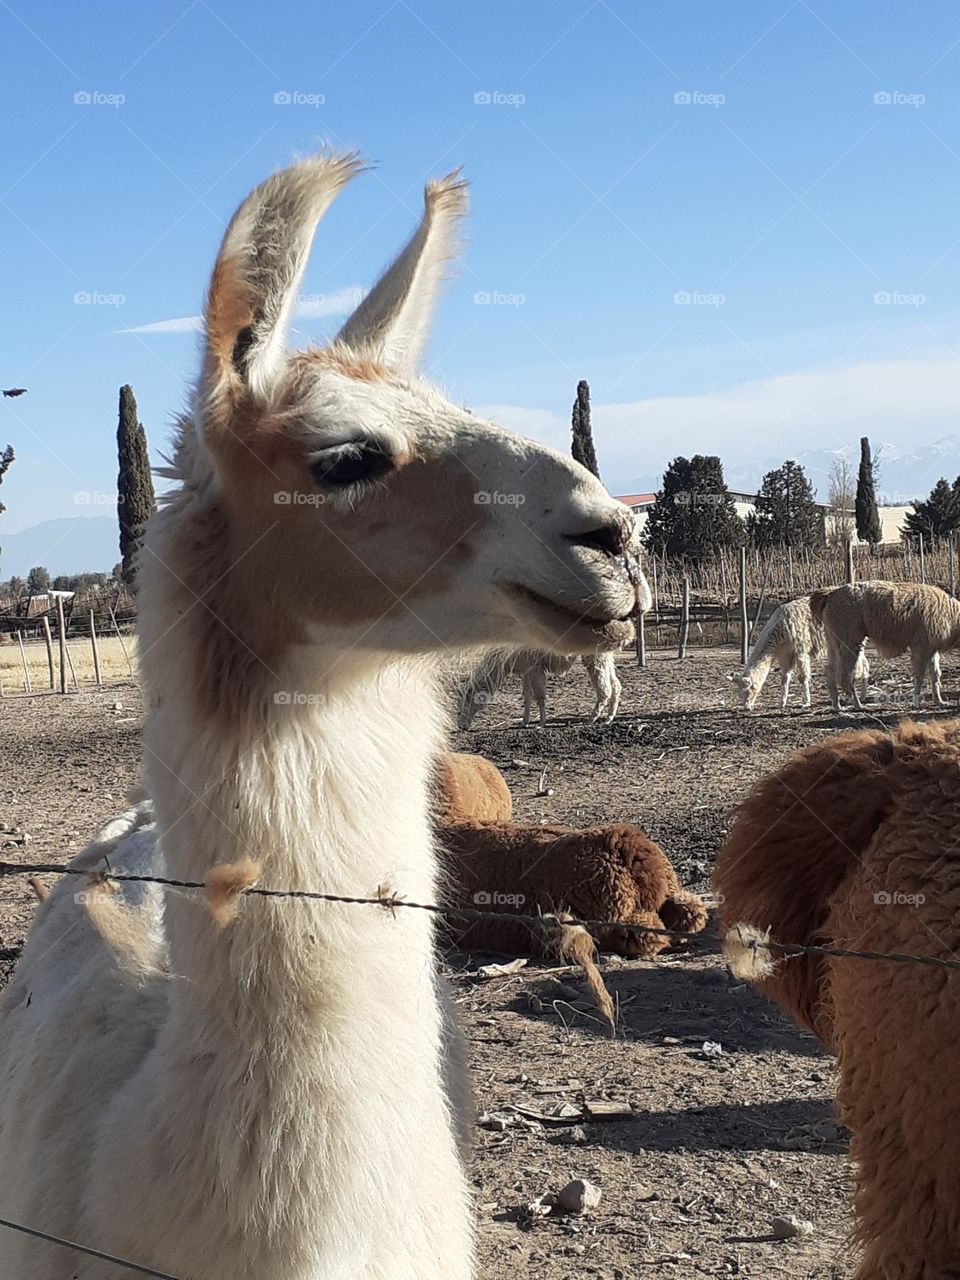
(602, 873)
(469, 788)
(895, 617)
(852, 844)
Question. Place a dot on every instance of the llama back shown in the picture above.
(783, 860)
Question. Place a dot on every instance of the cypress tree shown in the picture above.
(135, 497)
(865, 508)
(583, 449)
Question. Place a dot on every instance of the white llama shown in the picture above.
(792, 637)
(263, 1101)
(533, 667)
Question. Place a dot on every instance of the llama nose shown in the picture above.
(611, 538)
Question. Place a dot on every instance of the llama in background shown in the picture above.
(895, 617)
(792, 638)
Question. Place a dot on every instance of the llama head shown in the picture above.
(748, 687)
(357, 503)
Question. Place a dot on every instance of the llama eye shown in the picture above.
(350, 466)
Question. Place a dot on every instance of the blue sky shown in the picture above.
(632, 156)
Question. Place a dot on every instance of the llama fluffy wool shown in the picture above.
(895, 617)
(869, 861)
(602, 873)
(469, 788)
(792, 638)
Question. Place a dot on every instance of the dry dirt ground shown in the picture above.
(716, 1144)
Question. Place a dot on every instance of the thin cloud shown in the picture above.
(310, 306)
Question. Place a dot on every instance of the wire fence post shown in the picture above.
(950, 563)
(641, 642)
(744, 623)
(27, 687)
(851, 573)
(96, 655)
(684, 619)
(61, 628)
(49, 642)
(923, 565)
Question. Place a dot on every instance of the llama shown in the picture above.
(534, 667)
(470, 789)
(613, 873)
(792, 638)
(895, 617)
(852, 844)
(265, 1100)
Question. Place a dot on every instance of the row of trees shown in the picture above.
(694, 511)
(38, 581)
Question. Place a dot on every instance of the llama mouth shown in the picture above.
(615, 628)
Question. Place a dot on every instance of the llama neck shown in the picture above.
(327, 791)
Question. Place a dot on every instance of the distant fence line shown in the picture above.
(731, 582)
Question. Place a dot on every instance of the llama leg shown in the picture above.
(804, 663)
(528, 697)
(538, 688)
(847, 682)
(862, 672)
(935, 679)
(920, 663)
(613, 705)
(785, 674)
(590, 665)
(832, 659)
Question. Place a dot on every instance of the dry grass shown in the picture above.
(114, 668)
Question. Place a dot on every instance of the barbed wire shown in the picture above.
(473, 915)
(91, 1253)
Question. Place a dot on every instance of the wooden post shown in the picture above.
(641, 642)
(73, 673)
(744, 624)
(763, 593)
(96, 655)
(656, 598)
(923, 567)
(27, 687)
(113, 619)
(61, 627)
(790, 569)
(950, 562)
(684, 618)
(49, 641)
(851, 574)
(723, 593)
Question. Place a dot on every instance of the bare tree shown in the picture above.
(841, 497)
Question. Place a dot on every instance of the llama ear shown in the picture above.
(257, 274)
(392, 321)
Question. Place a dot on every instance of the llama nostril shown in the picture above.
(610, 538)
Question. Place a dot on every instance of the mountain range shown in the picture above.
(904, 474)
